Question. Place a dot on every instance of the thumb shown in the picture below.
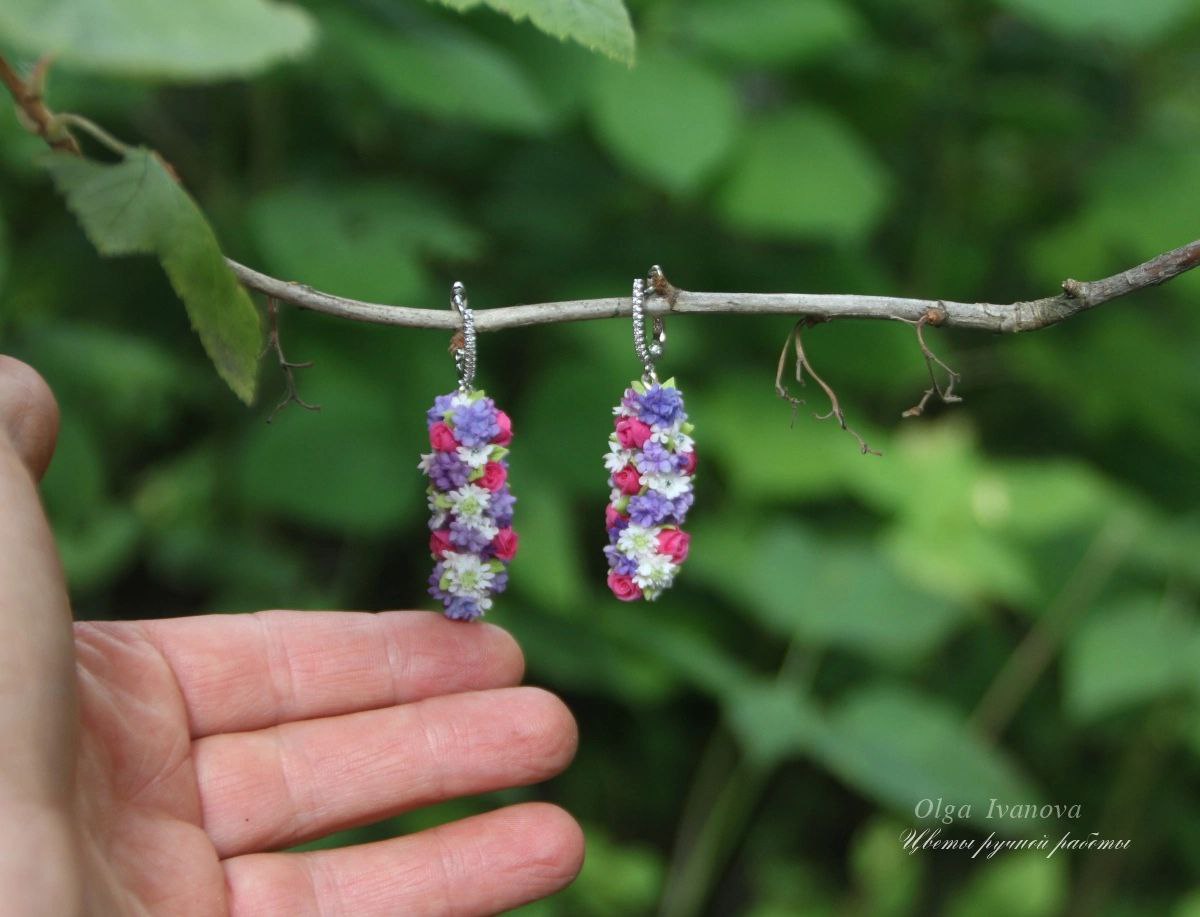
(28, 414)
(37, 666)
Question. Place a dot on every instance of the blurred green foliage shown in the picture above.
(844, 642)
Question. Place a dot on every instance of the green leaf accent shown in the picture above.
(804, 174)
(647, 118)
(600, 25)
(136, 207)
(179, 41)
(440, 70)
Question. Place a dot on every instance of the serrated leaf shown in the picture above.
(900, 747)
(441, 70)
(666, 91)
(601, 25)
(804, 174)
(179, 41)
(135, 207)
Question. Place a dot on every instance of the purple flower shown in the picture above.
(499, 582)
(461, 609)
(475, 424)
(655, 459)
(470, 539)
(447, 471)
(619, 562)
(649, 508)
(681, 505)
(435, 579)
(632, 401)
(441, 404)
(618, 527)
(660, 406)
(501, 507)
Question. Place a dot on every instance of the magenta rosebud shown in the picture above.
(623, 587)
(612, 517)
(494, 476)
(632, 433)
(689, 464)
(439, 543)
(504, 422)
(674, 543)
(441, 437)
(628, 480)
(505, 544)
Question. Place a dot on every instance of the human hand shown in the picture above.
(155, 767)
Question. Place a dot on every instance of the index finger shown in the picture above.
(243, 672)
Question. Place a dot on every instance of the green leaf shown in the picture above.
(1116, 20)
(803, 174)
(1014, 886)
(772, 32)
(136, 207)
(601, 25)
(1129, 654)
(440, 70)
(900, 748)
(366, 240)
(647, 118)
(180, 41)
(772, 721)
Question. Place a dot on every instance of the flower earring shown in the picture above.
(651, 461)
(470, 504)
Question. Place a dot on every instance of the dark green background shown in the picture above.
(754, 743)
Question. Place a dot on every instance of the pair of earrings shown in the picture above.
(651, 461)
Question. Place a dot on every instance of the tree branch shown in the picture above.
(1015, 317)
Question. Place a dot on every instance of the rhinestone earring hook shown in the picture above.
(648, 349)
(464, 355)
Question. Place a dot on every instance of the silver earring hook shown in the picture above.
(648, 350)
(464, 356)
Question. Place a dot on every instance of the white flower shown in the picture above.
(481, 524)
(670, 484)
(437, 517)
(621, 411)
(638, 541)
(617, 459)
(470, 501)
(615, 495)
(655, 572)
(668, 435)
(477, 457)
(426, 462)
(467, 575)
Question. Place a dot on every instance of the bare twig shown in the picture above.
(1012, 318)
(946, 395)
(802, 364)
(32, 109)
(291, 394)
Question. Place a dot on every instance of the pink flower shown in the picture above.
(505, 544)
(441, 437)
(690, 462)
(439, 543)
(494, 476)
(674, 543)
(632, 433)
(628, 480)
(612, 516)
(623, 587)
(504, 437)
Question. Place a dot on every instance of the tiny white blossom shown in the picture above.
(638, 541)
(655, 572)
(670, 484)
(469, 501)
(617, 459)
(475, 457)
(426, 462)
(667, 435)
(467, 575)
